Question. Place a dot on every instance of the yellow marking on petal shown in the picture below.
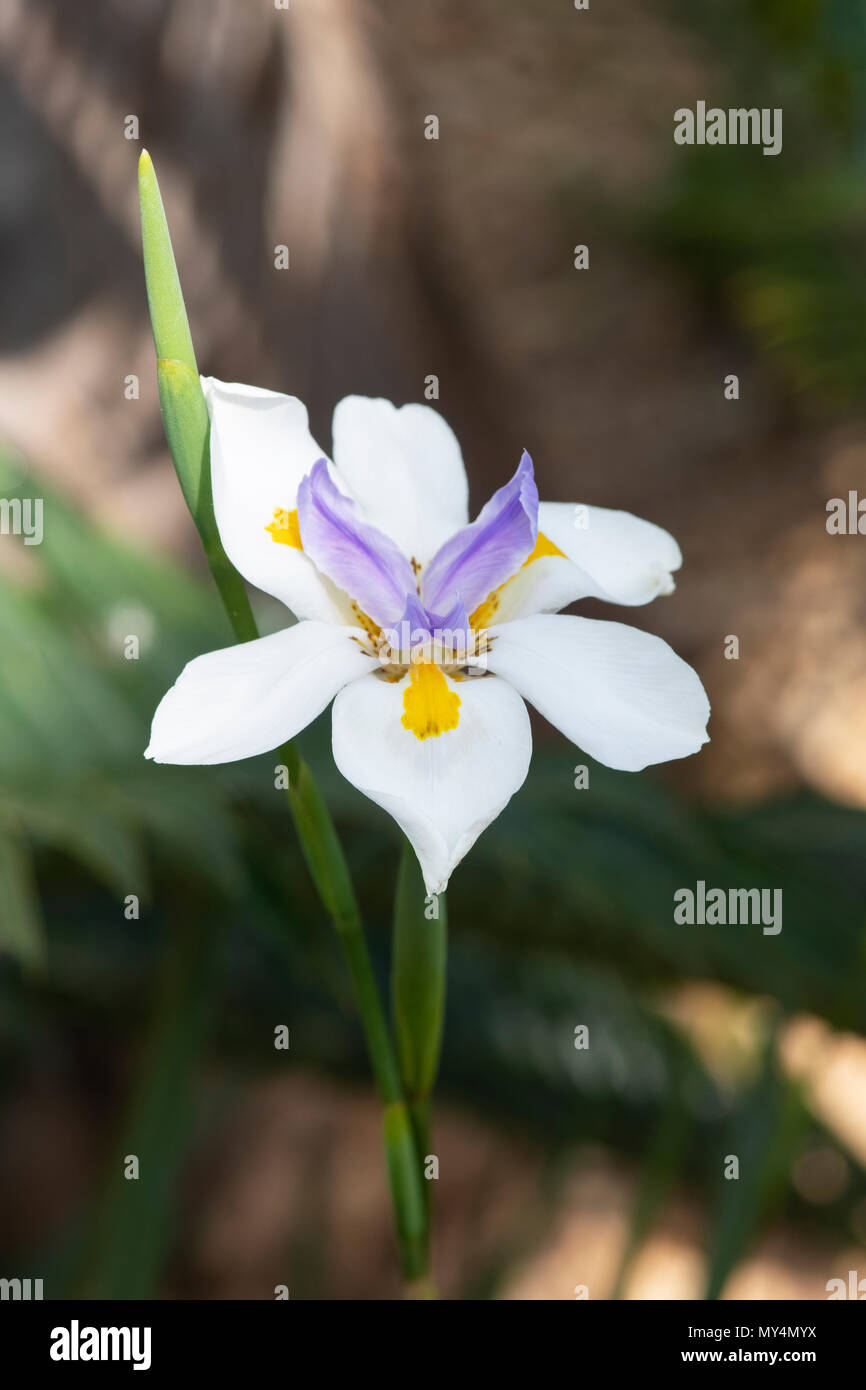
(542, 547)
(285, 529)
(431, 708)
(483, 614)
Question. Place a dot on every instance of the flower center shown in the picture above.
(424, 644)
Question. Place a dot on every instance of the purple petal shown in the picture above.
(355, 555)
(413, 627)
(418, 626)
(452, 629)
(455, 620)
(482, 556)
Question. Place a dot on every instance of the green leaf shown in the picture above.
(87, 821)
(134, 1227)
(181, 398)
(168, 318)
(20, 918)
(56, 709)
(409, 1200)
(187, 429)
(765, 1135)
(661, 1169)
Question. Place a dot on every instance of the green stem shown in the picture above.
(418, 977)
(330, 873)
(418, 971)
(187, 427)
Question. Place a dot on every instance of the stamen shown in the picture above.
(431, 708)
(372, 629)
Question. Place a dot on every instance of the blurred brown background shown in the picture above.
(454, 257)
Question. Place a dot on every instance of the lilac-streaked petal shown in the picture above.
(455, 620)
(413, 627)
(418, 626)
(415, 614)
(421, 618)
(452, 630)
(355, 555)
(482, 556)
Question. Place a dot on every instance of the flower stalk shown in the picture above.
(187, 426)
(418, 971)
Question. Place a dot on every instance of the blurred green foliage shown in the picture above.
(777, 241)
(564, 917)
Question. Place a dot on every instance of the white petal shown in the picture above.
(405, 468)
(260, 449)
(621, 695)
(444, 790)
(623, 559)
(247, 699)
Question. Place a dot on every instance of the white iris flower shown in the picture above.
(428, 633)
